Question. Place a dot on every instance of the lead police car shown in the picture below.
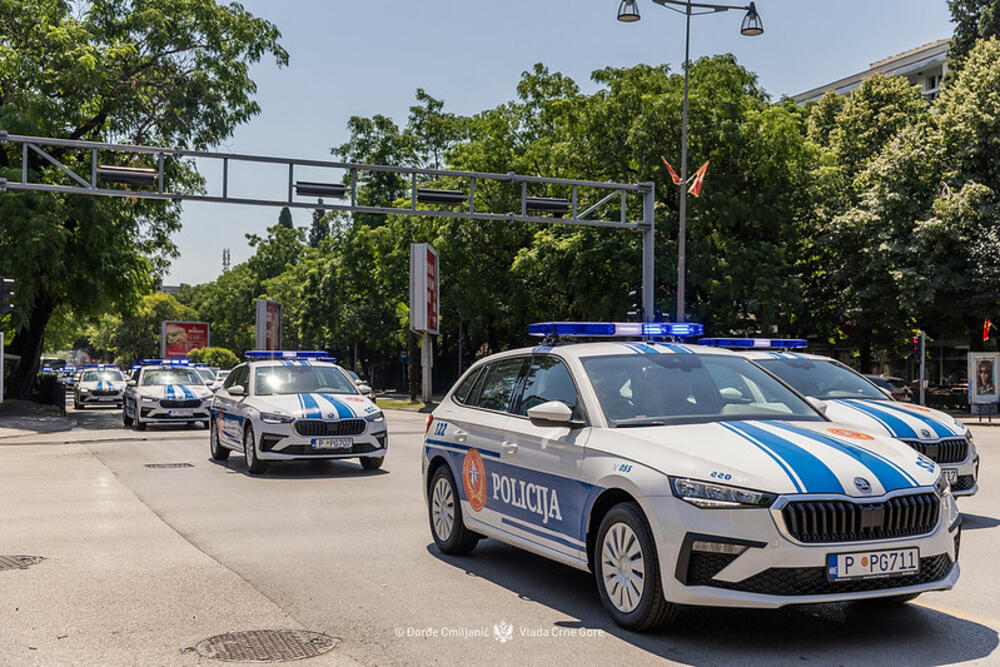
(99, 384)
(280, 406)
(681, 474)
(851, 398)
(165, 392)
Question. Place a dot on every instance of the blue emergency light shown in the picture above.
(331, 360)
(165, 362)
(756, 343)
(616, 329)
(100, 366)
(285, 354)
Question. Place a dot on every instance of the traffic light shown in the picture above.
(916, 344)
(6, 295)
(636, 313)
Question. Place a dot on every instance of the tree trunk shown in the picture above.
(28, 344)
(412, 365)
(865, 357)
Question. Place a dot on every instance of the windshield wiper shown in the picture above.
(631, 423)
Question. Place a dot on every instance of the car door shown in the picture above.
(544, 461)
(229, 408)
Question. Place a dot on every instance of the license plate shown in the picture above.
(332, 443)
(180, 413)
(105, 398)
(951, 474)
(870, 564)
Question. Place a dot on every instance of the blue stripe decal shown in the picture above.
(187, 392)
(816, 475)
(889, 475)
(464, 448)
(795, 482)
(677, 349)
(897, 426)
(528, 529)
(343, 411)
(940, 429)
(169, 392)
(311, 406)
(646, 349)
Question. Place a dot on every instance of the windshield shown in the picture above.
(653, 389)
(102, 376)
(822, 378)
(354, 376)
(158, 376)
(302, 380)
(206, 374)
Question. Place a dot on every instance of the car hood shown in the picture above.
(776, 456)
(899, 420)
(102, 385)
(178, 392)
(317, 406)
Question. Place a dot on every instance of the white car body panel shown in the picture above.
(166, 404)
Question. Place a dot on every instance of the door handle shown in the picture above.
(461, 435)
(508, 447)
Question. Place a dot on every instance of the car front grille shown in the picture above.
(947, 451)
(342, 427)
(964, 483)
(103, 392)
(187, 403)
(846, 521)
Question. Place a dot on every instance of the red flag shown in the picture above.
(699, 179)
(673, 174)
(986, 329)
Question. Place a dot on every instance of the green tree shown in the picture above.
(214, 356)
(974, 20)
(285, 218)
(137, 335)
(320, 228)
(162, 72)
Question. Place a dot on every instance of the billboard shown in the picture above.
(268, 326)
(983, 377)
(178, 338)
(425, 288)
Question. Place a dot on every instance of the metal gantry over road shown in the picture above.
(126, 170)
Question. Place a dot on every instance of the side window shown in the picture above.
(547, 379)
(236, 377)
(498, 384)
(461, 394)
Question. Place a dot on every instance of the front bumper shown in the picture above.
(157, 414)
(99, 399)
(281, 442)
(777, 570)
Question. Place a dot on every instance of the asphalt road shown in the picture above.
(335, 549)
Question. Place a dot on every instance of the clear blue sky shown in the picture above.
(368, 57)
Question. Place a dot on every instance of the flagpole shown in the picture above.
(682, 229)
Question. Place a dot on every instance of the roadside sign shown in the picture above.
(425, 290)
(177, 338)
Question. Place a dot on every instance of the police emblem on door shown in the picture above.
(474, 479)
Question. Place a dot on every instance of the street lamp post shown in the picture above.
(628, 12)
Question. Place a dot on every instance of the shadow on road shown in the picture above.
(836, 634)
(977, 521)
(328, 469)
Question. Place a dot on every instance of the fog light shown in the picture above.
(718, 547)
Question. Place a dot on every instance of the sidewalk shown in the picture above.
(14, 425)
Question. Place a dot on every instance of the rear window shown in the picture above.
(498, 384)
(461, 394)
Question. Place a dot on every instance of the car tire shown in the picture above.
(139, 424)
(76, 405)
(372, 462)
(126, 420)
(254, 465)
(444, 510)
(218, 451)
(626, 568)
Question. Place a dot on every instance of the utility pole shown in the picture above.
(225, 260)
(922, 365)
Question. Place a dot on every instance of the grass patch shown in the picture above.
(405, 404)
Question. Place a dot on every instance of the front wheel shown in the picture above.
(126, 420)
(139, 424)
(450, 534)
(627, 571)
(254, 465)
(217, 450)
(372, 462)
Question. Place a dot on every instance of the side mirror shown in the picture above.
(237, 390)
(817, 403)
(552, 413)
(364, 389)
(131, 383)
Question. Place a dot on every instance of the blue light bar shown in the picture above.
(165, 362)
(331, 360)
(101, 366)
(135, 366)
(285, 354)
(616, 329)
(755, 343)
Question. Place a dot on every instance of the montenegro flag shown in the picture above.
(673, 174)
(699, 179)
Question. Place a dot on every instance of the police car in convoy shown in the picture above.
(287, 405)
(851, 398)
(99, 384)
(165, 391)
(681, 475)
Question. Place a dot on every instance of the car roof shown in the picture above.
(782, 354)
(289, 362)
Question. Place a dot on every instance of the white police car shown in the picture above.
(851, 398)
(281, 406)
(99, 384)
(681, 474)
(165, 392)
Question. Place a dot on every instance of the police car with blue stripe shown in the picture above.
(287, 405)
(165, 391)
(850, 398)
(681, 475)
(99, 384)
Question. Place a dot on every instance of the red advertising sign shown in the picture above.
(268, 326)
(432, 290)
(425, 288)
(179, 338)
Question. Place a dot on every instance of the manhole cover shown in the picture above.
(265, 645)
(169, 465)
(18, 562)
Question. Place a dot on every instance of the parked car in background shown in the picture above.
(896, 387)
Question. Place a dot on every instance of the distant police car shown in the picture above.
(851, 398)
(99, 384)
(280, 406)
(681, 474)
(165, 392)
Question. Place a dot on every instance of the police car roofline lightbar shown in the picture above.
(165, 362)
(285, 354)
(755, 343)
(331, 360)
(616, 329)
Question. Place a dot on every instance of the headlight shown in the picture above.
(375, 417)
(271, 418)
(942, 486)
(147, 399)
(968, 434)
(84, 391)
(718, 496)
